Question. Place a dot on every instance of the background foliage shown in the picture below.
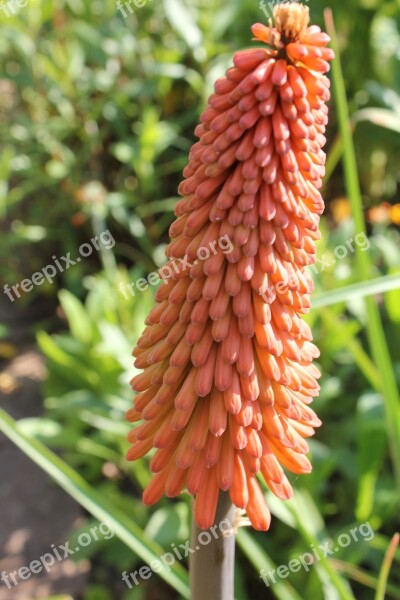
(96, 120)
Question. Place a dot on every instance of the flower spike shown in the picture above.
(224, 396)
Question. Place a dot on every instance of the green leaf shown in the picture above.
(181, 19)
(56, 169)
(342, 333)
(169, 524)
(97, 592)
(78, 320)
(311, 526)
(361, 289)
(39, 427)
(262, 562)
(370, 425)
(392, 303)
(383, 117)
(66, 365)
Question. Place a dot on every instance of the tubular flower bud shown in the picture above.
(224, 396)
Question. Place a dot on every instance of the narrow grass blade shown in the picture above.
(387, 563)
(363, 577)
(379, 285)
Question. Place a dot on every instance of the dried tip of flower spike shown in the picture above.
(291, 19)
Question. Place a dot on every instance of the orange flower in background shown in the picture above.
(227, 360)
(385, 213)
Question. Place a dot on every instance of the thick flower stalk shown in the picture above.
(227, 376)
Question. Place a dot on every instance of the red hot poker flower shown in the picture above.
(228, 378)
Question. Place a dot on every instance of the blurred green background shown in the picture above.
(97, 114)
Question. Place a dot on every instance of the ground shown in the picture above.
(35, 513)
